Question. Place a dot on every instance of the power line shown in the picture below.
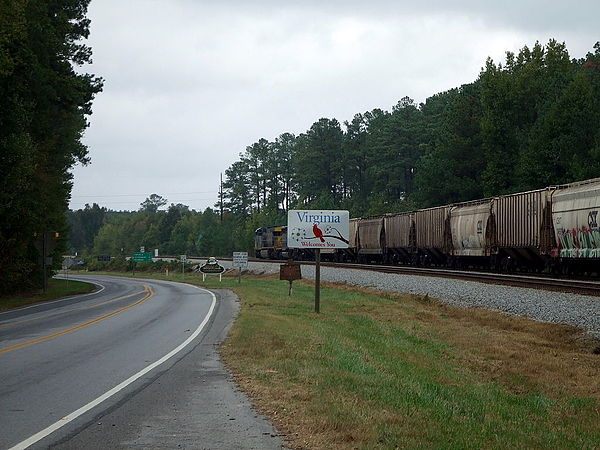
(133, 202)
(137, 195)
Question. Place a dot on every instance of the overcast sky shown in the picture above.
(190, 83)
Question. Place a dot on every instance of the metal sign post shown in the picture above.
(66, 265)
(318, 280)
(183, 259)
(45, 243)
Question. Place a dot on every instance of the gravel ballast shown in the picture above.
(546, 306)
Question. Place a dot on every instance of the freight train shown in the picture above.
(554, 229)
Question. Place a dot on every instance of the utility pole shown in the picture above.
(221, 196)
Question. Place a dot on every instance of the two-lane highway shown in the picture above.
(63, 363)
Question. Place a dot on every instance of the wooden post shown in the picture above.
(317, 280)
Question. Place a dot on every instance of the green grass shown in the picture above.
(57, 288)
(373, 379)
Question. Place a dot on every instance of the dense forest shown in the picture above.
(526, 123)
(44, 103)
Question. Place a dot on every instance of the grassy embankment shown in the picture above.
(56, 289)
(377, 370)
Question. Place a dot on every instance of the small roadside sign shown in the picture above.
(240, 260)
(290, 271)
(182, 259)
(211, 267)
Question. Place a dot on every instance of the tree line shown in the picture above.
(44, 104)
(177, 230)
(526, 123)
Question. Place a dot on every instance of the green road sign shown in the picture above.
(142, 257)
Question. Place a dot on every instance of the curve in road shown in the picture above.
(59, 357)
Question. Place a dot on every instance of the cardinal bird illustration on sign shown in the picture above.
(310, 229)
(317, 232)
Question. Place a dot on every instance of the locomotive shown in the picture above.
(552, 229)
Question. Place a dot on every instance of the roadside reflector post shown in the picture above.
(317, 280)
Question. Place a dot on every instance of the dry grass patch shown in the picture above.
(553, 358)
(382, 370)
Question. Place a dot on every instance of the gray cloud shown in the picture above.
(190, 84)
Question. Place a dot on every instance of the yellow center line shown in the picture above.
(149, 293)
(83, 308)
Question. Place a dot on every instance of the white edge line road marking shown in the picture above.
(36, 305)
(75, 414)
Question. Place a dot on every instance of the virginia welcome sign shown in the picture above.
(318, 229)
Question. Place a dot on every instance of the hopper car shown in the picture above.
(553, 229)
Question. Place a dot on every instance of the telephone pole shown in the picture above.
(221, 196)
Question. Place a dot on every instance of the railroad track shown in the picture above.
(585, 287)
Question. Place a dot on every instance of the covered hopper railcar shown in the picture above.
(553, 229)
(575, 225)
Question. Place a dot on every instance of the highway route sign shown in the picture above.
(142, 257)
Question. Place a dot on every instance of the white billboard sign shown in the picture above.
(240, 259)
(318, 229)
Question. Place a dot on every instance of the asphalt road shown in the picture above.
(133, 365)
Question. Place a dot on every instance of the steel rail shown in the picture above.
(584, 287)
